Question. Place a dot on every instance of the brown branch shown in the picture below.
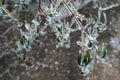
(6, 31)
(44, 12)
(39, 4)
(40, 10)
(9, 14)
(80, 26)
(84, 3)
(0, 3)
(83, 47)
(73, 13)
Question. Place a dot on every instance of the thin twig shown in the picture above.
(80, 26)
(0, 3)
(6, 31)
(39, 4)
(71, 11)
(9, 14)
(37, 13)
(109, 7)
(39, 7)
(40, 10)
(44, 12)
(7, 71)
(83, 45)
(69, 2)
(84, 3)
(57, 3)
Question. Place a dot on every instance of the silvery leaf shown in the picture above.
(35, 22)
(19, 24)
(27, 26)
(78, 43)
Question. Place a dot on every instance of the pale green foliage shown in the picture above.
(57, 11)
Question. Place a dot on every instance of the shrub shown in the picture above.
(54, 15)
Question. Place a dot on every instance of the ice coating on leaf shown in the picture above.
(100, 26)
(28, 36)
(87, 69)
(35, 22)
(27, 26)
(101, 56)
(62, 32)
(78, 43)
(19, 46)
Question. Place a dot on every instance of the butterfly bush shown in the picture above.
(55, 14)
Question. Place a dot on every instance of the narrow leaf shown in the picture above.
(79, 59)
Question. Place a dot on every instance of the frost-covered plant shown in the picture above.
(62, 32)
(55, 15)
(27, 37)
